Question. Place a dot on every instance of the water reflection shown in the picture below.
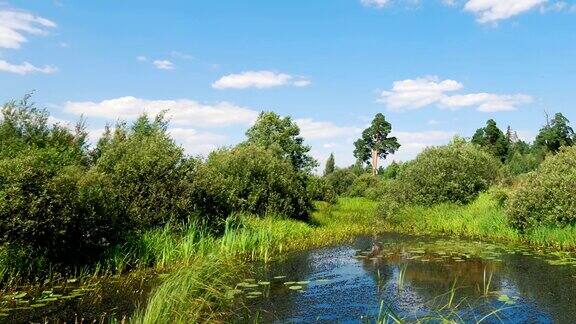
(414, 277)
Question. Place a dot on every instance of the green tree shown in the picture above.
(148, 172)
(555, 134)
(281, 135)
(330, 165)
(375, 143)
(493, 140)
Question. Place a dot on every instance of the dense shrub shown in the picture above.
(148, 173)
(452, 173)
(63, 213)
(548, 195)
(253, 179)
(341, 180)
(320, 189)
(361, 184)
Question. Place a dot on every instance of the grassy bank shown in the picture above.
(199, 290)
(484, 219)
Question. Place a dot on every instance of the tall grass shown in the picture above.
(484, 218)
(210, 266)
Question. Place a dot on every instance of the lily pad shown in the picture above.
(296, 287)
(263, 283)
(279, 277)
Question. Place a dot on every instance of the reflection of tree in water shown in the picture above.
(552, 288)
(426, 284)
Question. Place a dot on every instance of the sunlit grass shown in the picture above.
(483, 219)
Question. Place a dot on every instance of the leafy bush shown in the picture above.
(452, 173)
(65, 214)
(253, 179)
(548, 195)
(320, 189)
(341, 180)
(361, 184)
(148, 173)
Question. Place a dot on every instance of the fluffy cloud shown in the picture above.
(313, 130)
(14, 25)
(421, 92)
(180, 112)
(258, 79)
(25, 68)
(417, 93)
(486, 102)
(375, 3)
(195, 142)
(490, 11)
(163, 64)
(413, 143)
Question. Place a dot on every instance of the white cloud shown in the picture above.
(302, 83)
(490, 11)
(258, 79)
(181, 55)
(417, 93)
(180, 112)
(25, 68)
(195, 142)
(486, 102)
(163, 64)
(141, 58)
(375, 3)
(413, 143)
(14, 25)
(312, 130)
(421, 92)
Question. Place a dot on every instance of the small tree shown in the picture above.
(375, 143)
(493, 139)
(282, 135)
(555, 134)
(330, 165)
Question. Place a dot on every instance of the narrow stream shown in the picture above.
(413, 277)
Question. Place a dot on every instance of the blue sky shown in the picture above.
(435, 68)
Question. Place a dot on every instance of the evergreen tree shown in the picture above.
(330, 165)
(375, 143)
(555, 134)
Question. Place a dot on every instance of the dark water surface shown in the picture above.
(413, 277)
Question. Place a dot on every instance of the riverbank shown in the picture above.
(201, 290)
(482, 219)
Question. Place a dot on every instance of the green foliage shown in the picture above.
(452, 173)
(148, 173)
(361, 184)
(330, 165)
(375, 143)
(493, 140)
(519, 163)
(555, 134)
(341, 180)
(391, 171)
(320, 189)
(64, 213)
(547, 196)
(282, 136)
(253, 179)
(49, 202)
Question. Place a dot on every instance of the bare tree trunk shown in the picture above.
(374, 162)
